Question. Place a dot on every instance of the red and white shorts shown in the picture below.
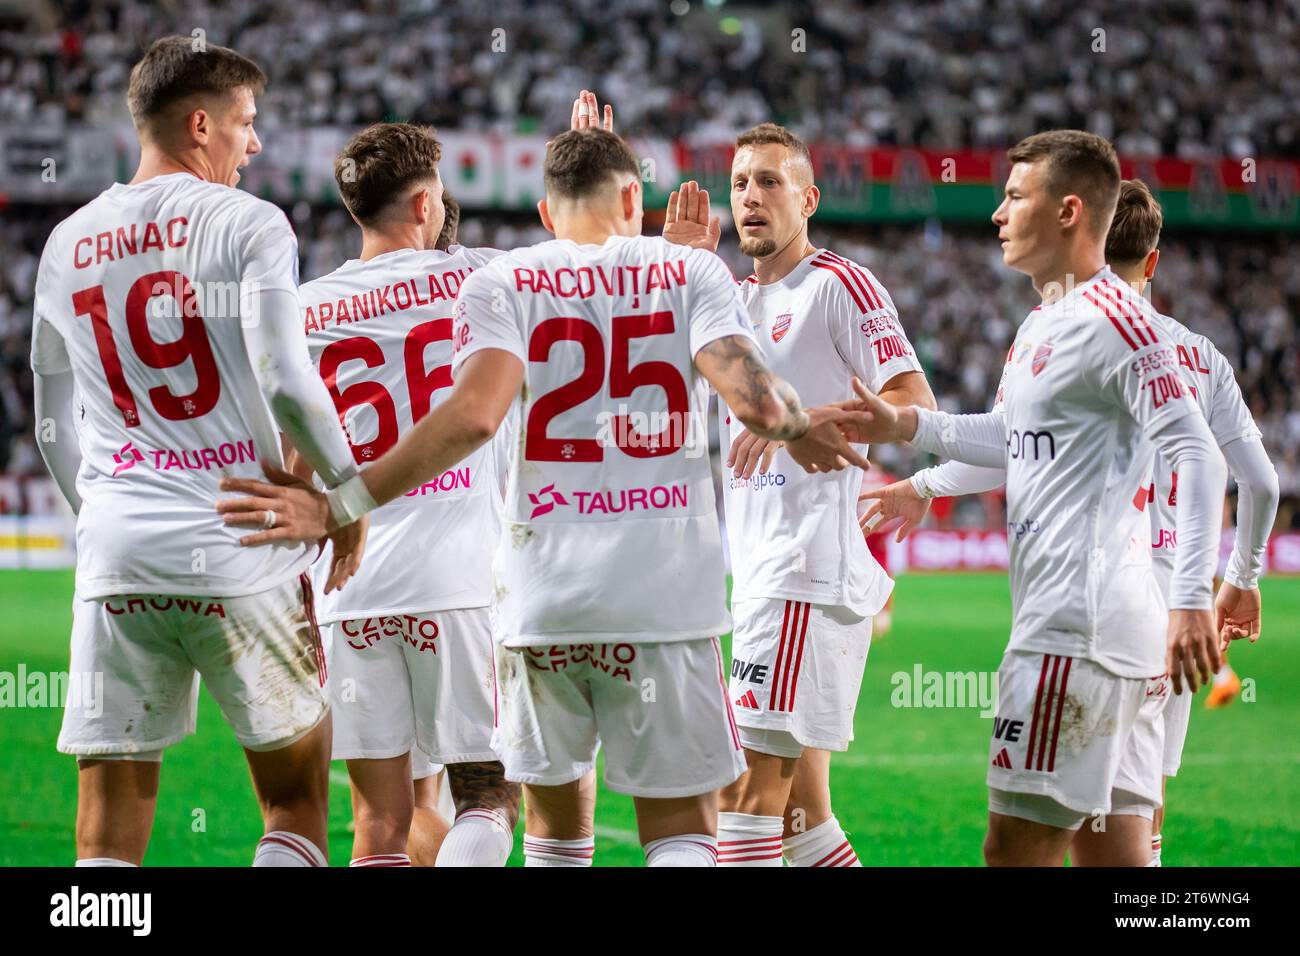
(796, 670)
(659, 710)
(260, 656)
(1070, 731)
(413, 682)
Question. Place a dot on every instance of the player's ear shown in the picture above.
(1149, 268)
(1071, 212)
(198, 126)
(545, 213)
(812, 197)
(631, 199)
(421, 206)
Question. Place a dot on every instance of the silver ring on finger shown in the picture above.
(270, 519)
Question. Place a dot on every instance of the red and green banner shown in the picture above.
(904, 185)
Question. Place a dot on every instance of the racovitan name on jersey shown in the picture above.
(585, 282)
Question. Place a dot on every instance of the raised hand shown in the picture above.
(899, 500)
(687, 222)
(586, 114)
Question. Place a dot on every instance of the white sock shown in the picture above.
(539, 851)
(685, 849)
(282, 848)
(478, 837)
(382, 859)
(103, 861)
(748, 840)
(1155, 850)
(823, 845)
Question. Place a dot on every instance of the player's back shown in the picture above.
(143, 285)
(380, 333)
(610, 525)
(1213, 384)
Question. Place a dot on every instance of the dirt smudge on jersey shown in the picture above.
(520, 535)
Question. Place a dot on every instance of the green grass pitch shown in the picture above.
(910, 791)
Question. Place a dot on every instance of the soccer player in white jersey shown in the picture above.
(410, 640)
(1131, 251)
(610, 582)
(1092, 384)
(167, 348)
(805, 584)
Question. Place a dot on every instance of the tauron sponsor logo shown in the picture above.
(658, 498)
(55, 689)
(185, 459)
(454, 479)
(75, 908)
(757, 482)
(1023, 444)
(748, 672)
(959, 689)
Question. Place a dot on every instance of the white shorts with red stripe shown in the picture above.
(797, 667)
(1064, 730)
(659, 710)
(419, 683)
(259, 655)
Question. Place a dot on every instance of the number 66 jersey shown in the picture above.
(611, 532)
(143, 294)
(379, 331)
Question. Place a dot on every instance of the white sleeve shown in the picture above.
(278, 355)
(485, 317)
(56, 433)
(866, 332)
(975, 439)
(714, 309)
(1257, 498)
(957, 478)
(1189, 447)
(1229, 415)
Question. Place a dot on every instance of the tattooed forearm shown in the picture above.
(483, 785)
(767, 405)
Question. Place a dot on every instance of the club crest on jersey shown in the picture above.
(781, 326)
(1041, 355)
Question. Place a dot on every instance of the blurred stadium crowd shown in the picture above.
(1187, 78)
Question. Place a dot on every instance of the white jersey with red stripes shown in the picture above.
(1214, 386)
(380, 332)
(611, 532)
(793, 535)
(139, 293)
(1091, 377)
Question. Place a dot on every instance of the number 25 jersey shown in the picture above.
(611, 532)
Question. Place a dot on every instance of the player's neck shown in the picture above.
(376, 243)
(782, 262)
(1064, 273)
(154, 162)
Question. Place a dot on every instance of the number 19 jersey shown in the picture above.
(380, 332)
(141, 293)
(611, 533)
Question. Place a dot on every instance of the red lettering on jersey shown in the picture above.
(126, 244)
(341, 313)
(654, 278)
(309, 321)
(676, 270)
(76, 253)
(104, 247)
(524, 277)
(401, 288)
(176, 236)
(152, 238)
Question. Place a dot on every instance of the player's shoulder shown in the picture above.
(1112, 314)
(843, 280)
